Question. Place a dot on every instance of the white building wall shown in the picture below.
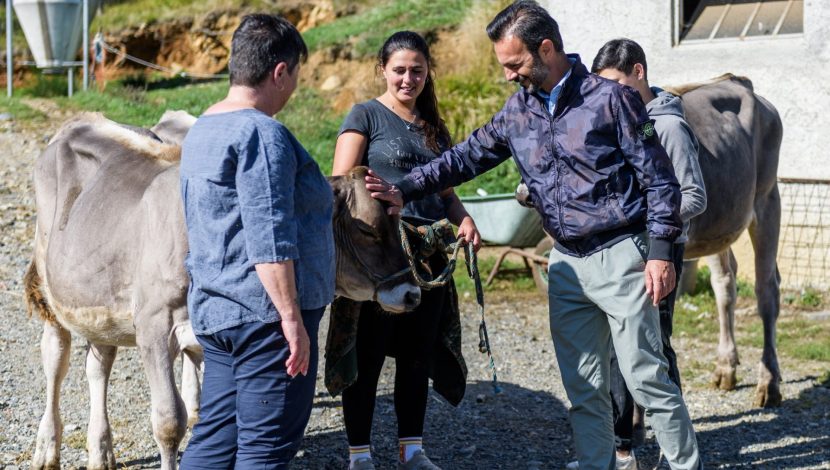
(793, 73)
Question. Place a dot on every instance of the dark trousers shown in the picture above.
(408, 337)
(252, 414)
(623, 403)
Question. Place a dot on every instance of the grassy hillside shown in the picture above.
(367, 30)
(470, 85)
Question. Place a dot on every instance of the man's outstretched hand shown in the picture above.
(383, 191)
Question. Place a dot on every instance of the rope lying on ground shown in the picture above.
(432, 238)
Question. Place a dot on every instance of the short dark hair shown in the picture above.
(260, 43)
(620, 54)
(528, 21)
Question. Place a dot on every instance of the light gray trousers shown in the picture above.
(602, 298)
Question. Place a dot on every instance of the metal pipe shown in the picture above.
(70, 79)
(9, 52)
(85, 47)
(803, 181)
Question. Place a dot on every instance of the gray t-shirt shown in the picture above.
(393, 151)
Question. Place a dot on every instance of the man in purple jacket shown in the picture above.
(606, 191)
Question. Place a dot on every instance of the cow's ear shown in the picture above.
(336, 183)
(342, 187)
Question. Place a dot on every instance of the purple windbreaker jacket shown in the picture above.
(595, 169)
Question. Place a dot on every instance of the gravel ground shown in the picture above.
(524, 427)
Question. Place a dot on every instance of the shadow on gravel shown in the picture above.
(518, 428)
(147, 462)
(796, 435)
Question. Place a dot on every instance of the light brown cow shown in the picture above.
(108, 267)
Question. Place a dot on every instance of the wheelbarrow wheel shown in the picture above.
(540, 272)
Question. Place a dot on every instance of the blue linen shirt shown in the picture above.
(252, 194)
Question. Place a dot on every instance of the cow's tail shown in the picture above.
(35, 300)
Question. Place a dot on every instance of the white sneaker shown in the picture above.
(623, 463)
(627, 463)
(362, 464)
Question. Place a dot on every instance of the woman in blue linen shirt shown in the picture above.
(258, 289)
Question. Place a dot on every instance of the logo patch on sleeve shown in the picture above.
(646, 130)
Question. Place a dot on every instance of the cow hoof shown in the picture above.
(47, 453)
(767, 396)
(50, 466)
(105, 462)
(39, 464)
(724, 378)
(768, 392)
(110, 466)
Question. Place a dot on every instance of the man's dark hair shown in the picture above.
(620, 54)
(528, 21)
(260, 43)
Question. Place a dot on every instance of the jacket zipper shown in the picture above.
(557, 175)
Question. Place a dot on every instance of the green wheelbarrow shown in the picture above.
(502, 221)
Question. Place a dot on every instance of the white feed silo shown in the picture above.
(53, 28)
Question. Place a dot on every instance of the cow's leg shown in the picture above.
(191, 384)
(764, 232)
(99, 359)
(169, 416)
(54, 350)
(724, 269)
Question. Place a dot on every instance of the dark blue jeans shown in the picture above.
(252, 414)
(623, 403)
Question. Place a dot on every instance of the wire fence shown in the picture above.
(804, 244)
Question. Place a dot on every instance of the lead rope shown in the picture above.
(483, 338)
(443, 279)
(431, 238)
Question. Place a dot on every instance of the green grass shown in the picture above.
(135, 106)
(367, 30)
(125, 13)
(309, 116)
(468, 102)
(807, 297)
(506, 281)
(797, 337)
(18, 39)
(696, 315)
(19, 111)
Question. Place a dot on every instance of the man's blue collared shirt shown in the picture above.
(550, 98)
(252, 194)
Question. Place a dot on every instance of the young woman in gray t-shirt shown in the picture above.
(392, 134)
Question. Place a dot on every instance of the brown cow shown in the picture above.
(108, 266)
(740, 139)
